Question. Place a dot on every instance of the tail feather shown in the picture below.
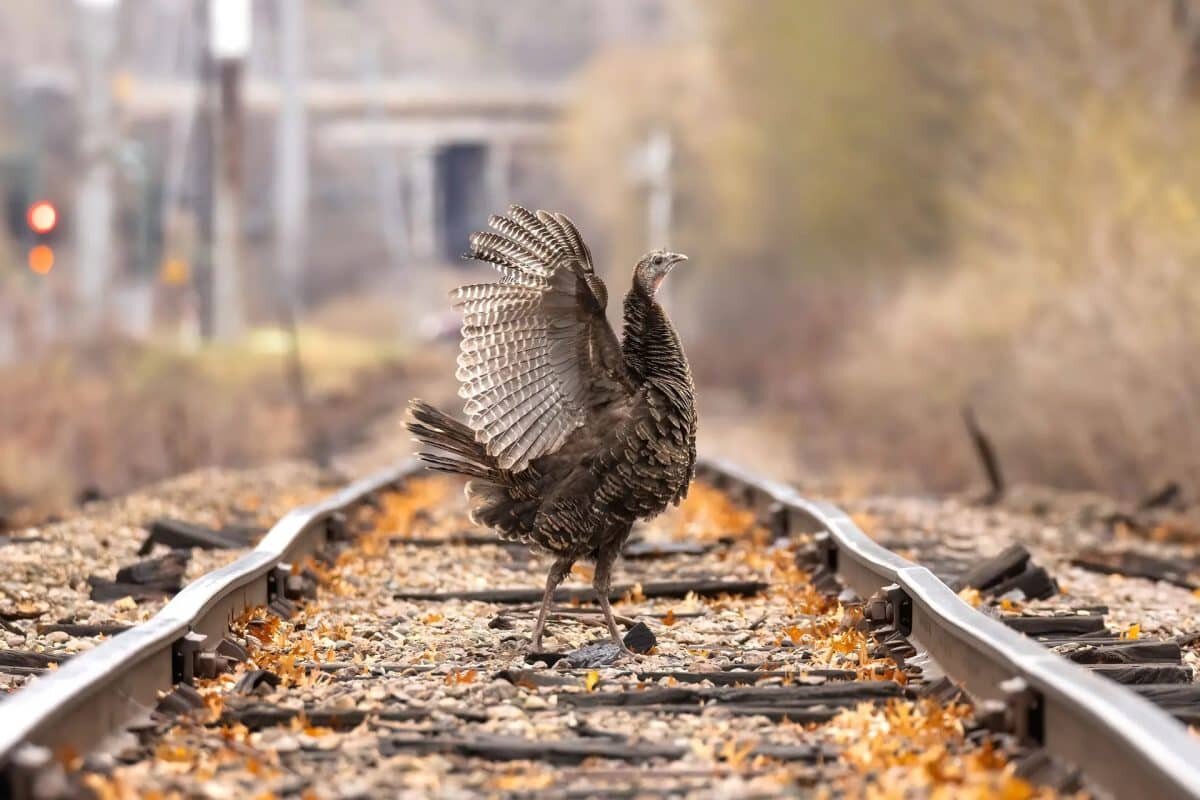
(462, 454)
(499, 498)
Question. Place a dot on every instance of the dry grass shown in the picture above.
(117, 415)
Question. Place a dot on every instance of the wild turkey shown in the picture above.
(570, 437)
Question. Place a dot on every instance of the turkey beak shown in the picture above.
(677, 259)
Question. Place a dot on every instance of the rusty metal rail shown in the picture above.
(96, 693)
(1120, 741)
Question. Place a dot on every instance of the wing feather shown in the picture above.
(537, 354)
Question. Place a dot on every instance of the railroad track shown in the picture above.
(373, 644)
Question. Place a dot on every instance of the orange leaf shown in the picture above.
(970, 597)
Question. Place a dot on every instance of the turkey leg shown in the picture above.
(558, 571)
(602, 583)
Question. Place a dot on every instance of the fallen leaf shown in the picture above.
(459, 677)
(593, 678)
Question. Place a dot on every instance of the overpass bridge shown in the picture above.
(452, 144)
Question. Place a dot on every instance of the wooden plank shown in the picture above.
(1140, 565)
(701, 587)
(845, 693)
(1065, 625)
(257, 716)
(1120, 652)
(1009, 562)
(570, 751)
(79, 629)
(1144, 673)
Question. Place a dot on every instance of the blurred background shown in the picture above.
(229, 225)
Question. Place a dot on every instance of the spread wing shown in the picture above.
(537, 354)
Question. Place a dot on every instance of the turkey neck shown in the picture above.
(651, 347)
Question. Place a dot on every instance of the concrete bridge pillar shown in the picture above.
(423, 223)
(498, 176)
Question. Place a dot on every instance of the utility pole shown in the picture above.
(94, 193)
(659, 205)
(291, 213)
(651, 168)
(229, 39)
(291, 155)
(388, 177)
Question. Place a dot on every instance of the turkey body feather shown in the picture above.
(570, 436)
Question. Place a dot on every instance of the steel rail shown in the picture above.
(1118, 739)
(96, 692)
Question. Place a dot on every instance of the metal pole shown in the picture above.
(94, 193)
(659, 203)
(291, 155)
(291, 214)
(229, 30)
(659, 152)
(388, 176)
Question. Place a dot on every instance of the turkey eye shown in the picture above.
(657, 260)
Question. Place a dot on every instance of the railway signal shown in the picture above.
(42, 219)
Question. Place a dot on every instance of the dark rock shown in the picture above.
(254, 679)
(640, 639)
(549, 659)
(596, 654)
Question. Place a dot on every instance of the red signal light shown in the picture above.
(42, 217)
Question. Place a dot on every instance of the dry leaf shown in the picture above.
(173, 752)
(669, 618)
(1008, 605)
(521, 782)
(460, 677)
(593, 678)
